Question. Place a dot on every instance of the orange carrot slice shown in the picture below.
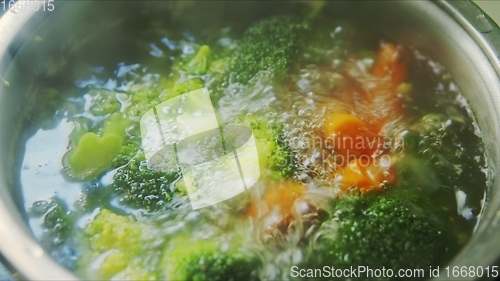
(349, 135)
(390, 62)
(279, 198)
(366, 174)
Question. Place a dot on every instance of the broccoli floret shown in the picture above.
(448, 143)
(116, 125)
(141, 187)
(273, 44)
(206, 260)
(118, 144)
(129, 151)
(382, 231)
(219, 66)
(141, 101)
(446, 146)
(274, 155)
(58, 222)
(330, 44)
(95, 195)
(185, 87)
(128, 249)
(432, 137)
(145, 99)
(57, 218)
(122, 246)
(104, 102)
(97, 150)
(200, 63)
(43, 106)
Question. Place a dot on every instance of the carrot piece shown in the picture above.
(279, 198)
(349, 135)
(390, 62)
(375, 103)
(343, 123)
(380, 102)
(366, 174)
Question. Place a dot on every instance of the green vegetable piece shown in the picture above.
(58, 227)
(382, 231)
(58, 220)
(275, 158)
(143, 100)
(93, 155)
(111, 231)
(219, 66)
(273, 44)
(449, 145)
(200, 63)
(121, 243)
(206, 260)
(186, 87)
(431, 123)
(116, 125)
(143, 188)
(129, 151)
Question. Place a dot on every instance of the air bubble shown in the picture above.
(40, 207)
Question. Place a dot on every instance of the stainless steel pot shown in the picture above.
(457, 33)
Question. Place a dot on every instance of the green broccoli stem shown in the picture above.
(200, 63)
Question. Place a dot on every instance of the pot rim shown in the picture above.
(34, 263)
